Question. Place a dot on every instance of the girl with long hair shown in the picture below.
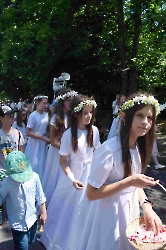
(58, 125)
(116, 181)
(37, 133)
(21, 123)
(77, 146)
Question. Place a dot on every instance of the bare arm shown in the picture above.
(64, 164)
(43, 215)
(30, 133)
(20, 149)
(138, 180)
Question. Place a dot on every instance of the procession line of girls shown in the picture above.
(116, 181)
(114, 178)
(115, 184)
(78, 143)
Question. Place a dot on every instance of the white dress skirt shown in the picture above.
(66, 198)
(36, 149)
(107, 219)
(52, 169)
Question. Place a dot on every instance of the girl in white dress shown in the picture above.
(76, 151)
(115, 123)
(20, 124)
(58, 124)
(36, 131)
(116, 180)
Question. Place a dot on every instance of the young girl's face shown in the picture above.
(41, 106)
(24, 114)
(66, 104)
(142, 122)
(122, 99)
(87, 113)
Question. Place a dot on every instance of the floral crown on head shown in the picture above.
(41, 97)
(67, 95)
(85, 103)
(143, 99)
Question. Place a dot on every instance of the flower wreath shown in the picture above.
(148, 100)
(162, 106)
(67, 95)
(83, 103)
(41, 97)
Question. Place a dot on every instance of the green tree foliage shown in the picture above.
(106, 46)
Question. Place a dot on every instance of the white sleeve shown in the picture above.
(102, 164)
(96, 137)
(52, 121)
(31, 121)
(65, 143)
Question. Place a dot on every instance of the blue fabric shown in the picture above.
(23, 239)
(20, 201)
(54, 102)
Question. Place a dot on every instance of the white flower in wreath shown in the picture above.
(85, 103)
(148, 100)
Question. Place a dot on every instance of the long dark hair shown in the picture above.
(59, 123)
(145, 143)
(19, 119)
(75, 116)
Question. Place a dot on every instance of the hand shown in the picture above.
(47, 140)
(141, 181)
(43, 218)
(78, 185)
(152, 220)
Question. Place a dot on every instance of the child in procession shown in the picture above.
(37, 133)
(58, 125)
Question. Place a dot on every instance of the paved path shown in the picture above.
(155, 194)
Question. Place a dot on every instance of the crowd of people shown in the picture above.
(84, 193)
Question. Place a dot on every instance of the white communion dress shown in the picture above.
(36, 149)
(52, 168)
(66, 198)
(107, 219)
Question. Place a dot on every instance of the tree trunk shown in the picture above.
(137, 26)
(122, 47)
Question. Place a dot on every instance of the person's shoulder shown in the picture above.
(34, 113)
(52, 120)
(7, 181)
(35, 176)
(95, 129)
(67, 132)
(45, 113)
(14, 131)
(113, 144)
